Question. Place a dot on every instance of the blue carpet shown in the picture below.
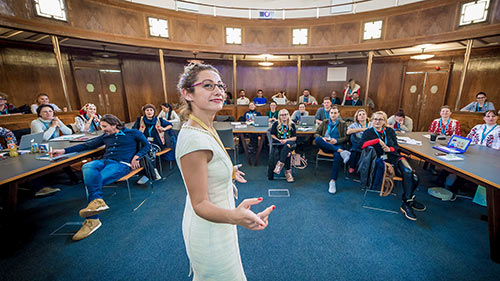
(312, 235)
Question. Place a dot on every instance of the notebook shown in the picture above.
(280, 101)
(456, 145)
(261, 121)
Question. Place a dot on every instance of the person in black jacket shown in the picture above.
(384, 140)
(284, 133)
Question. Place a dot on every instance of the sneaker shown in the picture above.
(143, 180)
(95, 207)
(288, 176)
(408, 212)
(279, 166)
(332, 188)
(346, 155)
(46, 191)
(88, 227)
(417, 206)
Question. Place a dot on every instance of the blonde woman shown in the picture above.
(355, 131)
(284, 133)
(210, 215)
(88, 121)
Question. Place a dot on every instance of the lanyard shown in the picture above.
(216, 137)
(47, 127)
(484, 135)
(385, 135)
(150, 130)
(6, 110)
(285, 131)
(271, 114)
(441, 125)
(355, 103)
(398, 128)
(326, 116)
(120, 133)
(330, 131)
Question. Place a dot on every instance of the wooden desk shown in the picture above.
(481, 165)
(22, 121)
(14, 171)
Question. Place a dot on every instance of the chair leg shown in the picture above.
(160, 166)
(128, 187)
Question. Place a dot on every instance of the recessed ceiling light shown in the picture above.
(422, 57)
(266, 63)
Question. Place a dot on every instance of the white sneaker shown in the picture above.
(143, 180)
(332, 187)
(346, 155)
(46, 191)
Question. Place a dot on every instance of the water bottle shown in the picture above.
(11, 145)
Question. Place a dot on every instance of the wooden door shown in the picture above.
(88, 83)
(434, 92)
(114, 93)
(412, 94)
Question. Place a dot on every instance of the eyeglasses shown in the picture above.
(284, 114)
(480, 98)
(378, 119)
(210, 86)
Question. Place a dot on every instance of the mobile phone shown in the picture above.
(440, 154)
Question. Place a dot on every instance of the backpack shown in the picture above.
(388, 180)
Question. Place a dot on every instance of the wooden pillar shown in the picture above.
(368, 72)
(299, 70)
(57, 51)
(464, 71)
(163, 76)
(235, 94)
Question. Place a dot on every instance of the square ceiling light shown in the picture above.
(54, 9)
(373, 30)
(158, 27)
(233, 35)
(299, 36)
(474, 12)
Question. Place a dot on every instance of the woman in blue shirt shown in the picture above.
(481, 105)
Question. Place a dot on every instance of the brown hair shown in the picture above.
(113, 121)
(40, 95)
(356, 114)
(146, 106)
(491, 111)
(444, 106)
(186, 81)
(4, 96)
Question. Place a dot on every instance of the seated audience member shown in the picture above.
(307, 98)
(445, 125)
(272, 113)
(480, 105)
(51, 126)
(260, 99)
(355, 131)
(283, 132)
(297, 114)
(168, 113)
(280, 95)
(229, 98)
(6, 134)
(334, 99)
(5, 107)
(349, 90)
(156, 130)
(249, 116)
(43, 99)
(329, 137)
(323, 113)
(120, 156)
(88, 120)
(355, 101)
(242, 99)
(400, 122)
(383, 139)
(487, 134)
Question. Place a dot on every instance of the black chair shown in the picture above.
(227, 138)
(273, 155)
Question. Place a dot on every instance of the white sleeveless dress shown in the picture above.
(212, 248)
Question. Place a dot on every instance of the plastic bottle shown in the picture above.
(12, 147)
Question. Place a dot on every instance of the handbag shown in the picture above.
(299, 161)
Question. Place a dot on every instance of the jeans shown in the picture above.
(331, 148)
(285, 153)
(102, 172)
(402, 168)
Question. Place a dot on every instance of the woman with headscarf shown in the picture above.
(88, 121)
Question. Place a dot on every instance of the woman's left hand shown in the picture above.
(238, 175)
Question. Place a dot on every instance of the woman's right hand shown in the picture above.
(248, 219)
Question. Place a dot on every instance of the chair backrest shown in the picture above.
(224, 118)
(226, 136)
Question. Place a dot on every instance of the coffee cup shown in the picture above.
(433, 138)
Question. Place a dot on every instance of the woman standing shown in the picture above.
(210, 216)
(445, 125)
(284, 133)
(88, 121)
(51, 126)
(329, 137)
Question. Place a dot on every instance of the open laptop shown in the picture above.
(307, 121)
(25, 143)
(280, 101)
(261, 121)
(456, 145)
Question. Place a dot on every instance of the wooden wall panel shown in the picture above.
(258, 36)
(26, 73)
(143, 84)
(385, 83)
(184, 30)
(270, 79)
(347, 33)
(322, 35)
(401, 26)
(211, 33)
(437, 20)
(313, 77)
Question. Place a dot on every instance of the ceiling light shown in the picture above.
(424, 46)
(266, 63)
(422, 56)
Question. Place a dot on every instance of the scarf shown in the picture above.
(155, 123)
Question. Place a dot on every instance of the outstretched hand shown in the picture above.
(238, 175)
(248, 219)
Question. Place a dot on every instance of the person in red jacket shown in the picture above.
(384, 141)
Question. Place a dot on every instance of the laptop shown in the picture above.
(261, 121)
(307, 121)
(456, 145)
(25, 143)
(280, 101)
